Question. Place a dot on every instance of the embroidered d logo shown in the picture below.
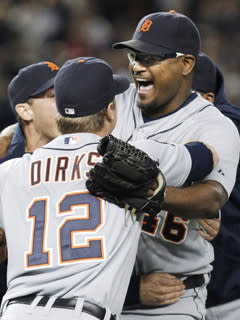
(146, 26)
(52, 66)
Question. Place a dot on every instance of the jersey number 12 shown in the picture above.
(92, 249)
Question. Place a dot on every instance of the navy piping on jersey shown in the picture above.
(72, 149)
(189, 99)
(134, 119)
(193, 96)
(194, 300)
(155, 134)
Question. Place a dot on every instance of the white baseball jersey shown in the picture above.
(62, 241)
(172, 244)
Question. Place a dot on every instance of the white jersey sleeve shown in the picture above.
(224, 137)
(174, 159)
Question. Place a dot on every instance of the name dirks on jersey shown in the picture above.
(62, 169)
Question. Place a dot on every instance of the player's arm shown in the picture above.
(181, 163)
(5, 139)
(203, 200)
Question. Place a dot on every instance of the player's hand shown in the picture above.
(5, 139)
(157, 289)
(210, 228)
(3, 246)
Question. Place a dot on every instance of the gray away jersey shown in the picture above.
(169, 243)
(63, 241)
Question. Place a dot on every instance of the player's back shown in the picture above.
(63, 241)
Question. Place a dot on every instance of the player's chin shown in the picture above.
(146, 105)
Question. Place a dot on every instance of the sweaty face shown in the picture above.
(158, 83)
(44, 115)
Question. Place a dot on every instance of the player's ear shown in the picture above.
(24, 111)
(111, 111)
(189, 62)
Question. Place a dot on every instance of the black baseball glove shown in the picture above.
(125, 176)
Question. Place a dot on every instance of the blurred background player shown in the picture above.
(32, 99)
(31, 93)
(161, 105)
(223, 300)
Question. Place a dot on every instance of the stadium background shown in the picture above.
(58, 30)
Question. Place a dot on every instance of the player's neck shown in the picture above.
(167, 108)
(34, 140)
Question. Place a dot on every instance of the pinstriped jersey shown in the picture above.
(170, 243)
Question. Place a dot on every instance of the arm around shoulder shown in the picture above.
(5, 139)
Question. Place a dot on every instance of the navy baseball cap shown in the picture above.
(85, 85)
(31, 81)
(163, 33)
(205, 75)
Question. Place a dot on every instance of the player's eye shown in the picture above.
(144, 59)
(148, 59)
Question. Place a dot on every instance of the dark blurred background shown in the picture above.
(57, 30)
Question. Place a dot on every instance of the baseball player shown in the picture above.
(223, 300)
(160, 105)
(30, 93)
(75, 252)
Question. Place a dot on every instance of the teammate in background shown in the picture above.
(31, 97)
(31, 93)
(86, 239)
(223, 300)
(162, 106)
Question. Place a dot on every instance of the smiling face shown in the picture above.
(162, 85)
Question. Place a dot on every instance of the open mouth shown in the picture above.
(144, 86)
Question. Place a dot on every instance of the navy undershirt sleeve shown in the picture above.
(202, 160)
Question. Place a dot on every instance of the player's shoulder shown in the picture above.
(210, 113)
(11, 163)
(11, 167)
(69, 142)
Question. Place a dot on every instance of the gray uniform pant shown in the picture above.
(228, 311)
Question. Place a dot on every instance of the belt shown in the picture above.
(194, 281)
(88, 307)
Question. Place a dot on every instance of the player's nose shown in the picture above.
(136, 66)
